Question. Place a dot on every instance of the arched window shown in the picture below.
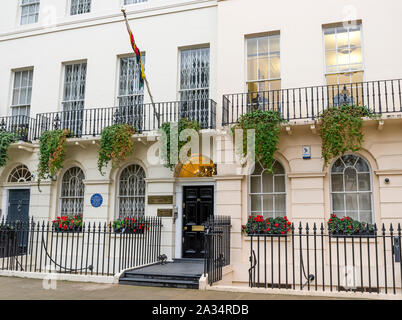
(268, 191)
(72, 192)
(351, 188)
(131, 196)
(20, 174)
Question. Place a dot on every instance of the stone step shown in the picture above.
(185, 284)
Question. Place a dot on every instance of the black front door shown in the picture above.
(198, 204)
(18, 212)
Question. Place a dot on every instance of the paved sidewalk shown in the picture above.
(32, 289)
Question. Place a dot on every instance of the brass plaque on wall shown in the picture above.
(165, 213)
(160, 199)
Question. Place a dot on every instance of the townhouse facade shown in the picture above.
(69, 64)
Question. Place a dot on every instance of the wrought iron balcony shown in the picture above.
(22, 127)
(307, 103)
(144, 117)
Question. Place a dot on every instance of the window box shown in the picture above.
(68, 224)
(275, 227)
(346, 227)
(130, 225)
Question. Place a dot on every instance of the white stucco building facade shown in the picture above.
(203, 50)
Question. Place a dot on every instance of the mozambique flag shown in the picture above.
(137, 53)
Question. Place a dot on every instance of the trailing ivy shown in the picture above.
(6, 138)
(52, 151)
(267, 129)
(341, 130)
(168, 145)
(115, 145)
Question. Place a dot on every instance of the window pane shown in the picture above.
(362, 166)
(350, 179)
(342, 38)
(351, 201)
(274, 45)
(355, 38)
(278, 169)
(262, 68)
(279, 183)
(330, 39)
(255, 203)
(280, 204)
(365, 201)
(364, 182)
(337, 182)
(338, 203)
(267, 182)
(252, 69)
(356, 56)
(268, 202)
(275, 67)
(258, 168)
(330, 59)
(255, 184)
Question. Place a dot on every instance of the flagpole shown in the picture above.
(145, 77)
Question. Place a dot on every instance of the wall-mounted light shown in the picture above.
(387, 180)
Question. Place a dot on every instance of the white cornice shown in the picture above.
(109, 18)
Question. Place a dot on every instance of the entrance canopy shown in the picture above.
(197, 166)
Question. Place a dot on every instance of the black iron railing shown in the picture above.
(217, 247)
(314, 259)
(144, 117)
(94, 249)
(307, 103)
(22, 127)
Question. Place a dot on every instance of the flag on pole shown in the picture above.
(137, 53)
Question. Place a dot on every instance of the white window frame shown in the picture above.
(61, 198)
(118, 78)
(20, 106)
(78, 13)
(180, 90)
(352, 192)
(278, 35)
(134, 2)
(360, 25)
(65, 65)
(118, 196)
(35, 2)
(250, 213)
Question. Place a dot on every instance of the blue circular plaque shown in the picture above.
(96, 200)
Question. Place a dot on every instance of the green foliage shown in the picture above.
(259, 225)
(6, 138)
(115, 145)
(169, 144)
(267, 129)
(341, 130)
(52, 151)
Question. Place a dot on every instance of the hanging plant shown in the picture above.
(6, 138)
(341, 130)
(115, 145)
(267, 129)
(52, 150)
(167, 145)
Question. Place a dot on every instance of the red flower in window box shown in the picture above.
(269, 226)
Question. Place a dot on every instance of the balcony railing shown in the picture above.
(144, 117)
(309, 102)
(22, 127)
